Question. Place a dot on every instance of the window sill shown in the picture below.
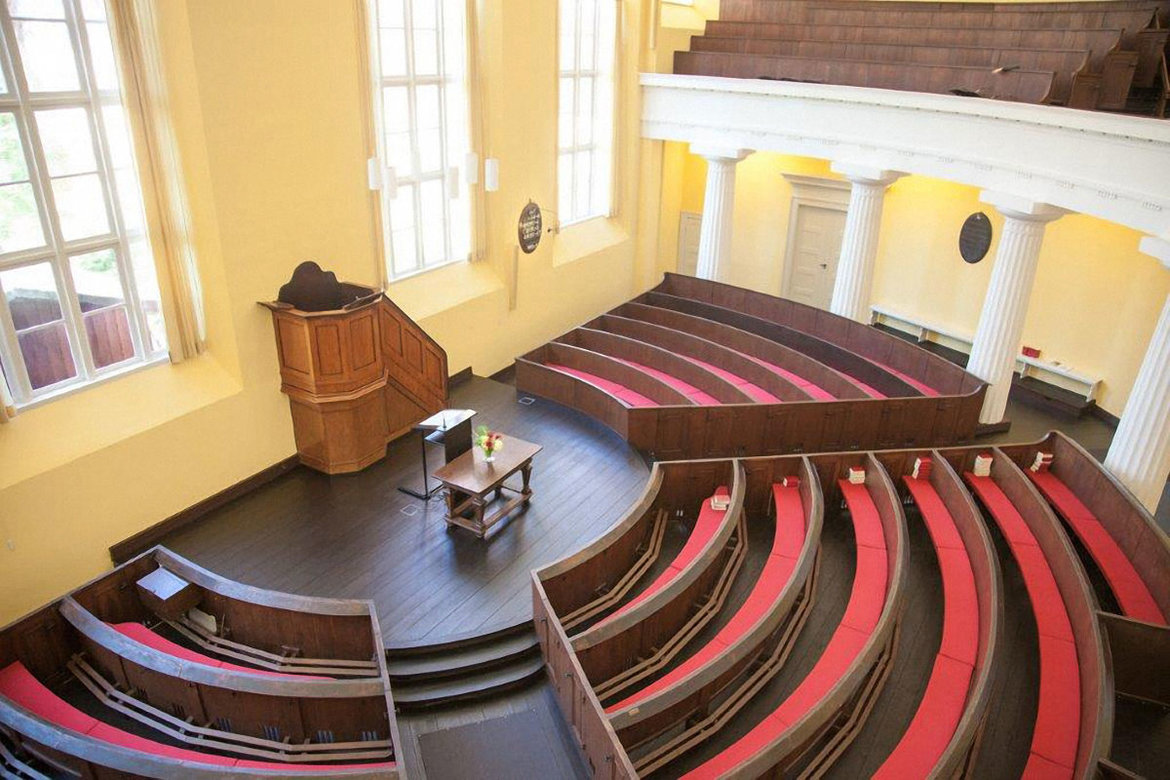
(584, 239)
(45, 436)
(81, 387)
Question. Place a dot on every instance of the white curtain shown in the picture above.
(7, 405)
(160, 171)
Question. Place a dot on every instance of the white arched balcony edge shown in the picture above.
(1109, 166)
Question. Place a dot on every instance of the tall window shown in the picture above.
(423, 128)
(585, 136)
(78, 295)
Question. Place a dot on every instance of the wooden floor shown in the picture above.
(357, 536)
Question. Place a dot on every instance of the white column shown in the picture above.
(718, 210)
(1001, 325)
(854, 283)
(1140, 453)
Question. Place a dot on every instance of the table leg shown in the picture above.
(526, 475)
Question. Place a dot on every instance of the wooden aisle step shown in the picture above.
(482, 684)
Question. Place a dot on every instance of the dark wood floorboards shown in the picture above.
(357, 536)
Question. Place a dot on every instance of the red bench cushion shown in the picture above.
(1133, 595)
(939, 522)
(1058, 714)
(934, 722)
(815, 392)
(960, 636)
(921, 387)
(619, 391)
(705, 528)
(18, 684)
(755, 391)
(690, 391)
(1007, 517)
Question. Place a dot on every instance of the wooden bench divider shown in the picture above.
(632, 644)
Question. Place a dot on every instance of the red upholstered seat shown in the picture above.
(618, 391)
(1058, 714)
(1007, 517)
(776, 574)
(815, 391)
(1132, 593)
(690, 391)
(705, 528)
(867, 523)
(939, 523)
(143, 635)
(960, 636)
(1057, 731)
(921, 387)
(934, 723)
(869, 590)
(840, 653)
(19, 685)
(755, 391)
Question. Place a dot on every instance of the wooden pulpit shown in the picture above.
(356, 377)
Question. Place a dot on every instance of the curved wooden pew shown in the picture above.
(254, 720)
(639, 640)
(958, 693)
(266, 629)
(818, 380)
(694, 381)
(881, 350)
(614, 371)
(1073, 721)
(852, 666)
(720, 677)
(873, 380)
(1119, 535)
(762, 384)
(65, 738)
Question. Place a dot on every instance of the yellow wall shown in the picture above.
(269, 109)
(1096, 298)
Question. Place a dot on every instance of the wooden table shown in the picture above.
(470, 480)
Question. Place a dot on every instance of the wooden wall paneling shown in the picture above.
(1141, 658)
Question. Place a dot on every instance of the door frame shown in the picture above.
(816, 191)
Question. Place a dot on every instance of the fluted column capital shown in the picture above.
(1020, 207)
(714, 153)
(1157, 248)
(859, 173)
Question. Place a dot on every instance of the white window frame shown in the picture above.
(22, 104)
(602, 145)
(454, 174)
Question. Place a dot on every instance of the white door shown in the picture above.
(813, 255)
(689, 227)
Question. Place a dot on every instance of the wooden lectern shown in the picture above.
(356, 377)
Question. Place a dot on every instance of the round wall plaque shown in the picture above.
(975, 237)
(531, 226)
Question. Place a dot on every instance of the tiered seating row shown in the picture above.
(1039, 53)
(699, 369)
(328, 712)
(684, 705)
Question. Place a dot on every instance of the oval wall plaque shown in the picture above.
(975, 237)
(531, 227)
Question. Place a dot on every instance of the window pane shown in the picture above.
(81, 206)
(108, 333)
(20, 224)
(36, 9)
(402, 229)
(581, 183)
(390, 13)
(31, 293)
(395, 110)
(47, 54)
(101, 51)
(149, 299)
(13, 166)
(392, 47)
(434, 221)
(93, 10)
(429, 120)
(67, 141)
(565, 120)
(96, 280)
(426, 52)
(565, 186)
